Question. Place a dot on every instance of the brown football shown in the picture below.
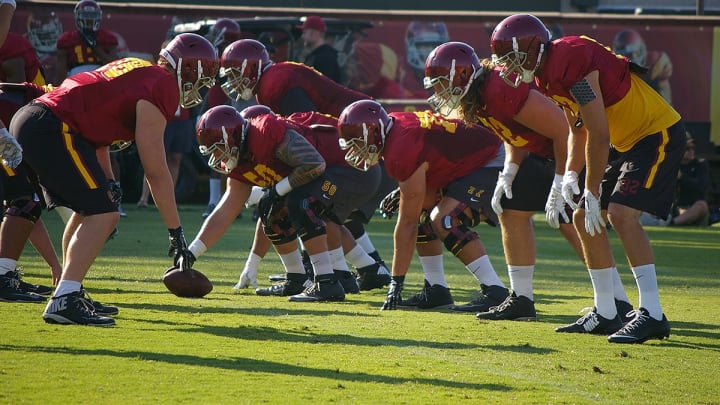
(187, 284)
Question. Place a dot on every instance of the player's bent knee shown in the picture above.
(24, 208)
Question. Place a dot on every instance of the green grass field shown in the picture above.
(236, 347)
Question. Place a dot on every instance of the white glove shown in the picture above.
(10, 2)
(247, 277)
(503, 187)
(594, 221)
(570, 188)
(10, 149)
(255, 195)
(555, 205)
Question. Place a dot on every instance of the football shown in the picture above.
(187, 284)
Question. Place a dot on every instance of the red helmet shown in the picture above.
(363, 126)
(242, 63)
(518, 44)
(43, 30)
(221, 132)
(88, 16)
(255, 111)
(450, 70)
(196, 64)
(224, 32)
(630, 44)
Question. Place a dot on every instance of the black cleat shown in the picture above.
(490, 296)
(641, 328)
(74, 309)
(373, 276)
(11, 290)
(625, 310)
(27, 287)
(293, 284)
(514, 308)
(348, 281)
(430, 297)
(592, 323)
(325, 288)
(100, 309)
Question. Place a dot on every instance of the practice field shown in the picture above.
(235, 347)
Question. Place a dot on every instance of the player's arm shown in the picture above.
(7, 9)
(14, 70)
(546, 118)
(61, 65)
(592, 111)
(412, 195)
(149, 131)
(576, 142)
(301, 155)
(103, 156)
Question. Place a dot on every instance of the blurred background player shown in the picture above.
(7, 9)
(43, 30)
(421, 37)
(630, 43)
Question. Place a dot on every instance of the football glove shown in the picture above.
(503, 187)
(247, 277)
(555, 205)
(594, 222)
(390, 204)
(393, 296)
(178, 249)
(255, 194)
(269, 204)
(10, 149)
(116, 192)
(570, 188)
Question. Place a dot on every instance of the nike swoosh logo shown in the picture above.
(325, 196)
(473, 199)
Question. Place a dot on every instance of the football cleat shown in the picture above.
(348, 281)
(373, 276)
(11, 291)
(325, 288)
(74, 309)
(490, 296)
(291, 285)
(99, 308)
(593, 323)
(514, 308)
(27, 287)
(430, 297)
(625, 310)
(641, 328)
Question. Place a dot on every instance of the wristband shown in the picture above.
(283, 187)
(197, 248)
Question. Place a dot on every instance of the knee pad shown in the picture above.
(425, 231)
(280, 230)
(459, 235)
(24, 208)
(306, 217)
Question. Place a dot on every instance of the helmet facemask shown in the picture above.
(189, 90)
(446, 97)
(361, 153)
(223, 159)
(237, 86)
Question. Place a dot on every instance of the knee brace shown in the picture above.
(425, 231)
(280, 230)
(306, 217)
(24, 208)
(458, 224)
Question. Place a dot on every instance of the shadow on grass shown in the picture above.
(306, 310)
(262, 366)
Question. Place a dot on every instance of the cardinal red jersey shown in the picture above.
(78, 52)
(501, 104)
(634, 110)
(453, 148)
(328, 96)
(15, 95)
(17, 46)
(100, 105)
(321, 131)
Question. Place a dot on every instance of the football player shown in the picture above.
(630, 43)
(66, 133)
(7, 9)
(306, 182)
(86, 47)
(617, 110)
(447, 200)
(535, 132)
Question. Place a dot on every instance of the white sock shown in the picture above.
(618, 288)
(215, 185)
(7, 265)
(67, 287)
(434, 270)
(253, 262)
(484, 272)
(521, 280)
(337, 258)
(646, 281)
(293, 262)
(602, 282)
(321, 263)
(358, 257)
(365, 242)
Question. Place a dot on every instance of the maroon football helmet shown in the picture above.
(224, 32)
(629, 43)
(363, 126)
(196, 64)
(255, 111)
(242, 63)
(88, 16)
(517, 45)
(221, 132)
(450, 69)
